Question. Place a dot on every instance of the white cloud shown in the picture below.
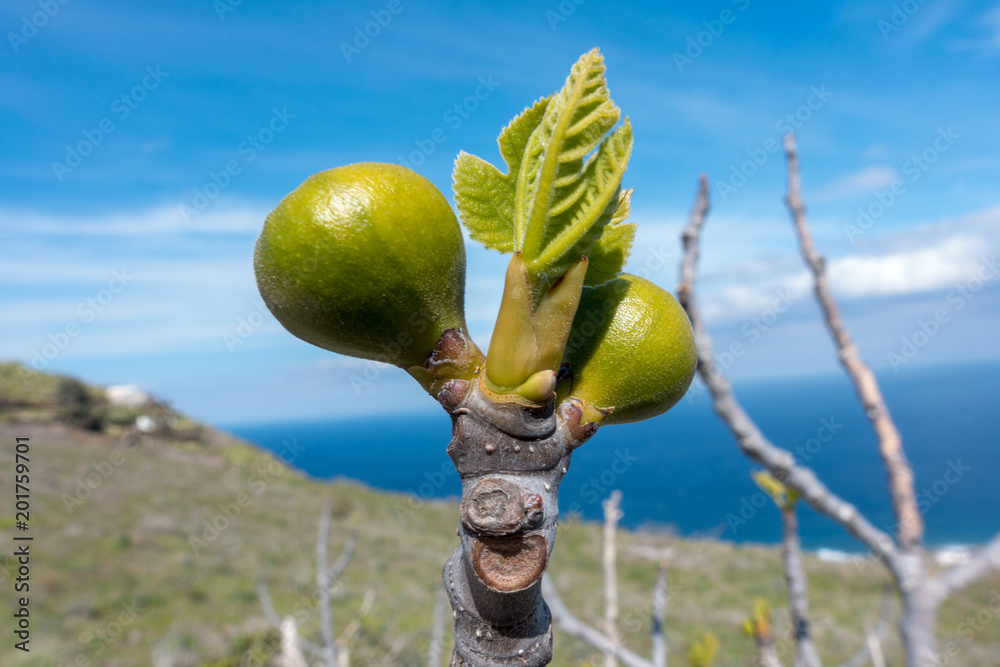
(920, 270)
(218, 218)
(857, 184)
(921, 259)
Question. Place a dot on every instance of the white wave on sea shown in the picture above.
(946, 556)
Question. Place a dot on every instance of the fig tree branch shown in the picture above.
(323, 586)
(871, 651)
(612, 514)
(900, 475)
(798, 595)
(571, 625)
(660, 618)
(434, 652)
(957, 577)
(751, 441)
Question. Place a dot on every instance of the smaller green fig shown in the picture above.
(365, 260)
(631, 352)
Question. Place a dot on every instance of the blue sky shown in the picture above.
(116, 116)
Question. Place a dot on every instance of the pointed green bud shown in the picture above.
(528, 339)
(513, 352)
(632, 353)
(539, 388)
(366, 260)
(555, 313)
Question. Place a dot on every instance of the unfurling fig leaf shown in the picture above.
(484, 196)
(563, 183)
(609, 254)
(564, 199)
(631, 351)
(365, 260)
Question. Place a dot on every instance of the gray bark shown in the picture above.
(921, 594)
(660, 619)
(511, 460)
(612, 514)
(798, 595)
(571, 625)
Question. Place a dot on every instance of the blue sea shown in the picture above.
(682, 471)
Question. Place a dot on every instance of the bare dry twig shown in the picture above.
(781, 463)
(660, 618)
(798, 596)
(326, 579)
(571, 625)
(900, 475)
(437, 632)
(872, 649)
(612, 514)
(957, 577)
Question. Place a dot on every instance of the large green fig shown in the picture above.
(631, 351)
(366, 260)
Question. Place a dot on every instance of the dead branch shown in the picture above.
(323, 586)
(872, 650)
(565, 621)
(612, 514)
(437, 633)
(900, 475)
(660, 618)
(957, 577)
(781, 463)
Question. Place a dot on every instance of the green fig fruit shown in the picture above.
(631, 352)
(365, 260)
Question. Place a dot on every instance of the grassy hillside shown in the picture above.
(125, 563)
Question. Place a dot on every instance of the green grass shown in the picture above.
(128, 546)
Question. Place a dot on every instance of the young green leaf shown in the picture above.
(573, 231)
(610, 252)
(562, 203)
(485, 197)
